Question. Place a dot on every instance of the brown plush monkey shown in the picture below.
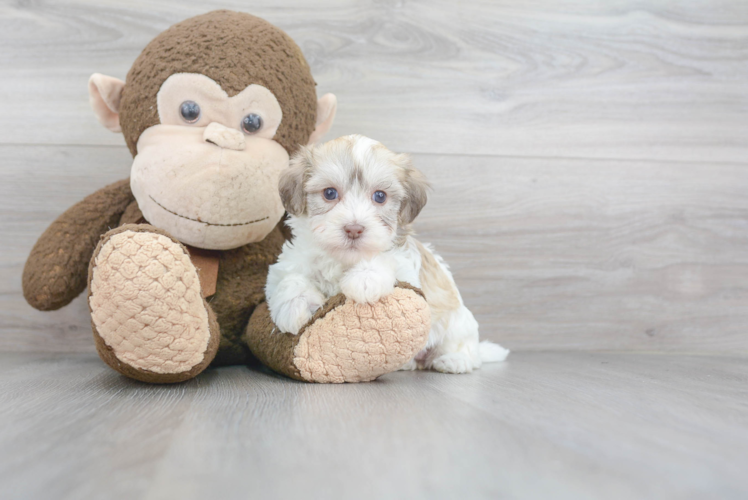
(177, 255)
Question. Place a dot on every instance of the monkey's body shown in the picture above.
(155, 317)
(239, 287)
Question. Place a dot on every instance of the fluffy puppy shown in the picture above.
(351, 202)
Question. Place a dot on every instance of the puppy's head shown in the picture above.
(354, 194)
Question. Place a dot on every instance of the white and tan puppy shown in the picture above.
(351, 202)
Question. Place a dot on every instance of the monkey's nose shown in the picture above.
(354, 231)
(224, 137)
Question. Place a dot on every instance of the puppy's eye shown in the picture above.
(379, 196)
(251, 123)
(330, 194)
(190, 111)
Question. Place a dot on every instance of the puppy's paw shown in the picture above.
(290, 316)
(367, 284)
(453, 362)
(410, 366)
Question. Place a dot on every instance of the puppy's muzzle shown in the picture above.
(354, 231)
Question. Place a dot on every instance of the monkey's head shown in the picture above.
(211, 111)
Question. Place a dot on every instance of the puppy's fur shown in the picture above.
(326, 257)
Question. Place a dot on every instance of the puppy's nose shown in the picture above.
(354, 231)
(224, 137)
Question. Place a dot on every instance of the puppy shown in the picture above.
(351, 202)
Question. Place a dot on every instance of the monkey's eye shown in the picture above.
(379, 196)
(190, 111)
(330, 194)
(251, 123)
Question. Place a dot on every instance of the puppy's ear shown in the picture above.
(416, 190)
(291, 184)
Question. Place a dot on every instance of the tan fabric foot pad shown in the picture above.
(345, 341)
(149, 319)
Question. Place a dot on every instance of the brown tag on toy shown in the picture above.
(206, 263)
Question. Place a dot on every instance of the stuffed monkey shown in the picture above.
(176, 257)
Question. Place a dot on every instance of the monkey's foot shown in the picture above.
(345, 341)
(149, 319)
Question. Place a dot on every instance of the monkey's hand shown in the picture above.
(57, 269)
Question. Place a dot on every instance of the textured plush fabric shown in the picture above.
(130, 298)
(132, 214)
(239, 291)
(242, 273)
(240, 287)
(145, 302)
(235, 50)
(57, 267)
(55, 272)
(149, 319)
(345, 341)
(271, 347)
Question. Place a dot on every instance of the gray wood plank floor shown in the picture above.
(589, 158)
(541, 425)
(590, 166)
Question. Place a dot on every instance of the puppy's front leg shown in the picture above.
(293, 302)
(369, 280)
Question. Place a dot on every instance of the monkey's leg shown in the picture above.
(149, 319)
(345, 341)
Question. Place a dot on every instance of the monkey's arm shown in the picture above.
(57, 268)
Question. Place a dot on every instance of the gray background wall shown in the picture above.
(589, 158)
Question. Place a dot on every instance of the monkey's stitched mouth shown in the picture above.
(204, 222)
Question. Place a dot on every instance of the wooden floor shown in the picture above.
(542, 425)
(589, 159)
(590, 170)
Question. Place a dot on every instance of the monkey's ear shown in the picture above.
(291, 184)
(327, 105)
(416, 190)
(104, 93)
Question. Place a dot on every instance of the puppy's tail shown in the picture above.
(491, 353)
